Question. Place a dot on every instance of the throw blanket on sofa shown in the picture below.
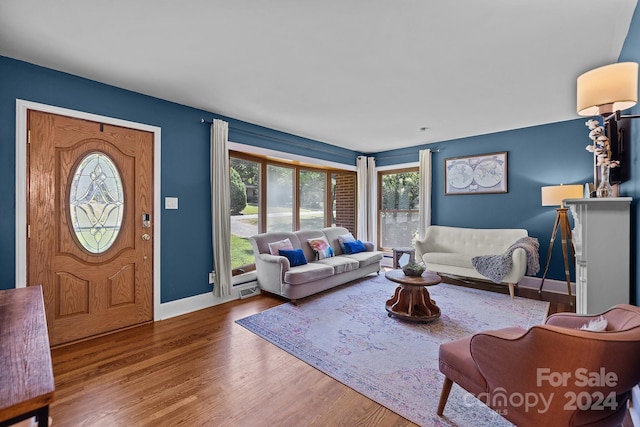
(495, 267)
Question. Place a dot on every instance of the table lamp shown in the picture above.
(554, 195)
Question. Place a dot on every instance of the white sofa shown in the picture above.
(276, 275)
(450, 250)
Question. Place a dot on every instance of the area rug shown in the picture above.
(347, 334)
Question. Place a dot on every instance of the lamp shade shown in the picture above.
(607, 89)
(553, 195)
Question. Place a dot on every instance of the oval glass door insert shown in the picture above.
(96, 202)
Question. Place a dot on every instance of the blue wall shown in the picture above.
(186, 254)
(541, 155)
(631, 52)
(537, 156)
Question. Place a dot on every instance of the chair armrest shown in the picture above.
(273, 259)
(505, 333)
(421, 249)
(569, 320)
(519, 265)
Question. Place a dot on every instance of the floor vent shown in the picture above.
(249, 291)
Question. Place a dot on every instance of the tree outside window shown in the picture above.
(398, 199)
(244, 177)
(312, 199)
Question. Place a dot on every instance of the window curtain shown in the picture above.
(220, 208)
(367, 180)
(424, 210)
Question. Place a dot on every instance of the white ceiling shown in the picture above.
(362, 74)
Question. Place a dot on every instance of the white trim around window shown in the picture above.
(398, 166)
(249, 149)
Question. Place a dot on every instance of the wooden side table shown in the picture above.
(398, 252)
(26, 373)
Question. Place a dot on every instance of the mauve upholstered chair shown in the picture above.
(550, 375)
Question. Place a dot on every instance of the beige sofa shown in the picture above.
(450, 250)
(276, 275)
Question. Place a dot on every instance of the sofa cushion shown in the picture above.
(307, 273)
(448, 258)
(295, 256)
(340, 264)
(366, 258)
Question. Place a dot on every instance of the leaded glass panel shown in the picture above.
(96, 202)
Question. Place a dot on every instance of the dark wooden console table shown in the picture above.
(26, 373)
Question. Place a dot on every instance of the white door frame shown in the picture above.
(21, 186)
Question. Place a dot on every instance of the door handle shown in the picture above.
(146, 237)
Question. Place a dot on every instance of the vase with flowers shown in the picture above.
(601, 149)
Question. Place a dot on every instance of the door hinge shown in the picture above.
(29, 136)
(29, 231)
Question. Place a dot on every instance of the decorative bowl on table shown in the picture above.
(413, 269)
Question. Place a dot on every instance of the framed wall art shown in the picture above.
(480, 174)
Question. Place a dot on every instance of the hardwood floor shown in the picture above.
(203, 369)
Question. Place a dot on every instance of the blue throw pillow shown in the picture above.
(354, 247)
(295, 256)
(345, 238)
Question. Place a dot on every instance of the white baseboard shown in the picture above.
(550, 285)
(199, 302)
(194, 303)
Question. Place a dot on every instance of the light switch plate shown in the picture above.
(171, 203)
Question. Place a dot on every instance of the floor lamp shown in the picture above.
(554, 196)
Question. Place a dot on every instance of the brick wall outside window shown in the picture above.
(345, 201)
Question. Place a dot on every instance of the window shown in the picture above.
(312, 199)
(245, 202)
(267, 195)
(398, 201)
(280, 203)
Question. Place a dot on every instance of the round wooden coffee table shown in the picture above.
(411, 300)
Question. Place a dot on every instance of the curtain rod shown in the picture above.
(206, 121)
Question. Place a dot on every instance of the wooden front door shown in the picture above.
(89, 213)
